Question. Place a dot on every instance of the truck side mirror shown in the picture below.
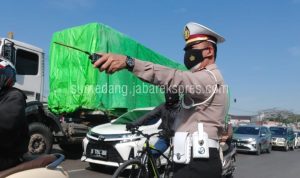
(8, 50)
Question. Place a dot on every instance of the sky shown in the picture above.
(260, 59)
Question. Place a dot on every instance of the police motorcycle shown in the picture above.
(228, 159)
(46, 166)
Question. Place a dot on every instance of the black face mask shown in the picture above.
(192, 57)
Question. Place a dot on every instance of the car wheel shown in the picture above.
(286, 148)
(269, 149)
(293, 147)
(258, 150)
(40, 139)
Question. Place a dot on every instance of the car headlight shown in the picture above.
(281, 139)
(129, 138)
(252, 140)
(91, 135)
(89, 132)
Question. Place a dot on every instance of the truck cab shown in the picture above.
(29, 63)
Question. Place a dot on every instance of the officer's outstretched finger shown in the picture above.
(111, 68)
(105, 66)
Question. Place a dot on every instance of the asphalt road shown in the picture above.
(278, 164)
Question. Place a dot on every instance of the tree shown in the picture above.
(279, 115)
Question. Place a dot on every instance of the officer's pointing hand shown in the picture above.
(110, 63)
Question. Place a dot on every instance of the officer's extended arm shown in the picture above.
(168, 77)
(160, 75)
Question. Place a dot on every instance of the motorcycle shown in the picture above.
(228, 161)
(46, 166)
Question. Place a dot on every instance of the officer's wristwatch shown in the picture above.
(129, 63)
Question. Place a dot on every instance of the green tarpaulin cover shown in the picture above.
(75, 83)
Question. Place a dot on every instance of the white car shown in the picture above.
(111, 144)
(297, 139)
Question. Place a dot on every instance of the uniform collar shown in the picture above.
(211, 67)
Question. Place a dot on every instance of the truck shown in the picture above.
(45, 127)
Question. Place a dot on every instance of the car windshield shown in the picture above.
(247, 130)
(130, 116)
(278, 130)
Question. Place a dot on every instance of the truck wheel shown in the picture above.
(40, 139)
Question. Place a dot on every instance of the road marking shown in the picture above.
(76, 170)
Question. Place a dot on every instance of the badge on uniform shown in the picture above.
(186, 33)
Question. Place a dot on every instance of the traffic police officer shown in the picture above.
(204, 100)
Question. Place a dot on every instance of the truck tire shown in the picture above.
(41, 139)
